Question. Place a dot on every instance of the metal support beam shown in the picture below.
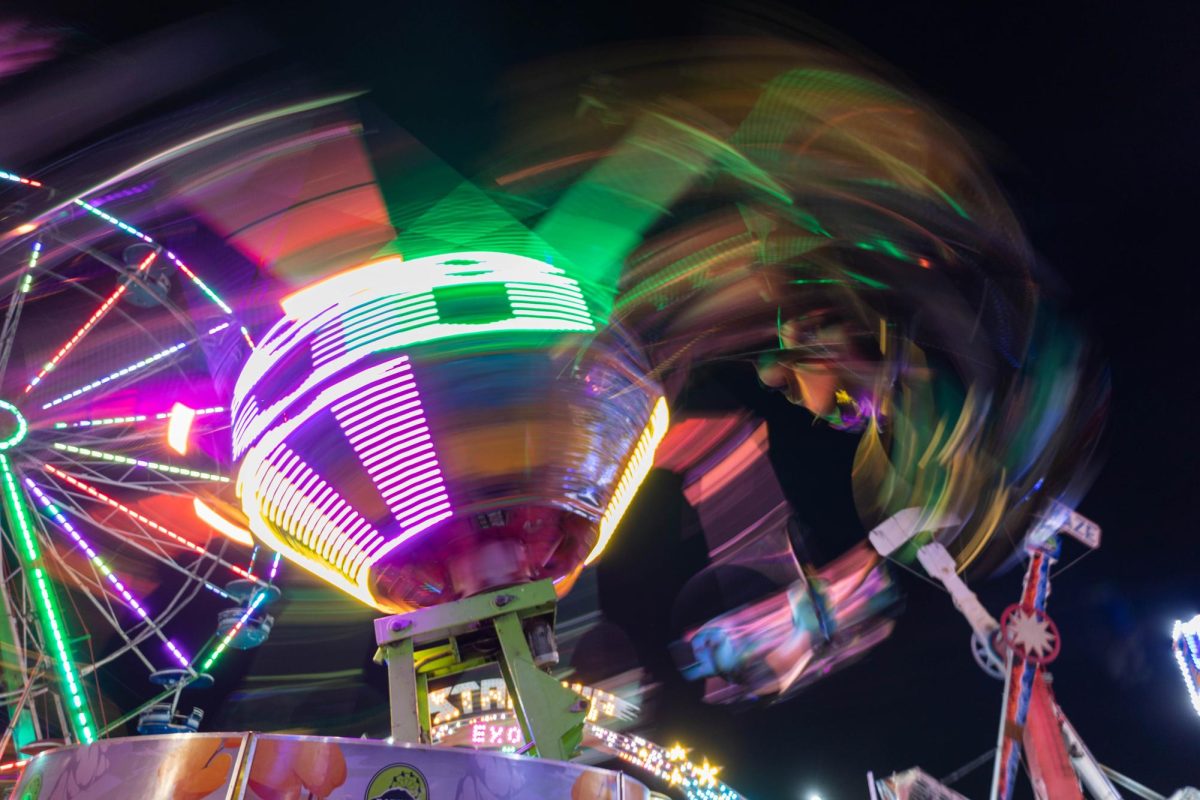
(477, 631)
(402, 691)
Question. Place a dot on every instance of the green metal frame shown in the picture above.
(445, 640)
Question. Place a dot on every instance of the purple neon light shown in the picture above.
(301, 503)
(385, 424)
(130, 600)
(274, 568)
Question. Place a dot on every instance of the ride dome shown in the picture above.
(414, 432)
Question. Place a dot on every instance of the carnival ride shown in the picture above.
(443, 405)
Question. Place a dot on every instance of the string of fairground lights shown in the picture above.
(92, 423)
(134, 367)
(29, 554)
(174, 259)
(189, 544)
(92, 321)
(228, 637)
(696, 781)
(117, 458)
(35, 253)
(97, 562)
(124, 226)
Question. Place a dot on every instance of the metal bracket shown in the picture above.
(454, 637)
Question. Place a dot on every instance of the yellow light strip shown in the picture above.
(636, 469)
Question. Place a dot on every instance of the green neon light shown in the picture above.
(79, 712)
(22, 427)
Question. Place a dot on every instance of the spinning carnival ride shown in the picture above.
(444, 408)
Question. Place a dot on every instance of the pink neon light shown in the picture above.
(102, 497)
(401, 460)
(87, 326)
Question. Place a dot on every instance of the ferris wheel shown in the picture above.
(114, 477)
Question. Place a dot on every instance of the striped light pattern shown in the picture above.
(116, 458)
(1185, 638)
(636, 470)
(390, 305)
(134, 367)
(149, 523)
(385, 424)
(34, 254)
(92, 423)
(93, 320)
(98, 563)
(302, 516)
(78, 711)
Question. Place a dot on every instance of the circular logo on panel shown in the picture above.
(398, 782)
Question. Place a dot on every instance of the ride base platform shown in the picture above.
(254, 766)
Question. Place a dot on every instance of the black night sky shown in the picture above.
(1089, 114)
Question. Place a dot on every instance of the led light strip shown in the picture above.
(34, 254)
(129, 512)
(134, 367)
(79, 712)
(224, 643)
(385, 424)
(636, 469)
(87, 326)
(193, 277)
(92, 423)
(696, 781)
(137, 462)
(8, 176)
(98, 564)
(1186, 637)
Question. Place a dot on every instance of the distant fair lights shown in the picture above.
(697, 781)
(1185, 640)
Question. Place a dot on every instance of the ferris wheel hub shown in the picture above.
(13, 426)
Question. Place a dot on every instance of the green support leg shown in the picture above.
(423, 708)
(551, 715)
(402, 681)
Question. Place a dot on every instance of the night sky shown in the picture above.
(1089, 116)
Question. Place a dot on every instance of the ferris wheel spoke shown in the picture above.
(16, 303)
(151, 545)
(89, 325)
(189, 544)
(98, 565)
(154, 466)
